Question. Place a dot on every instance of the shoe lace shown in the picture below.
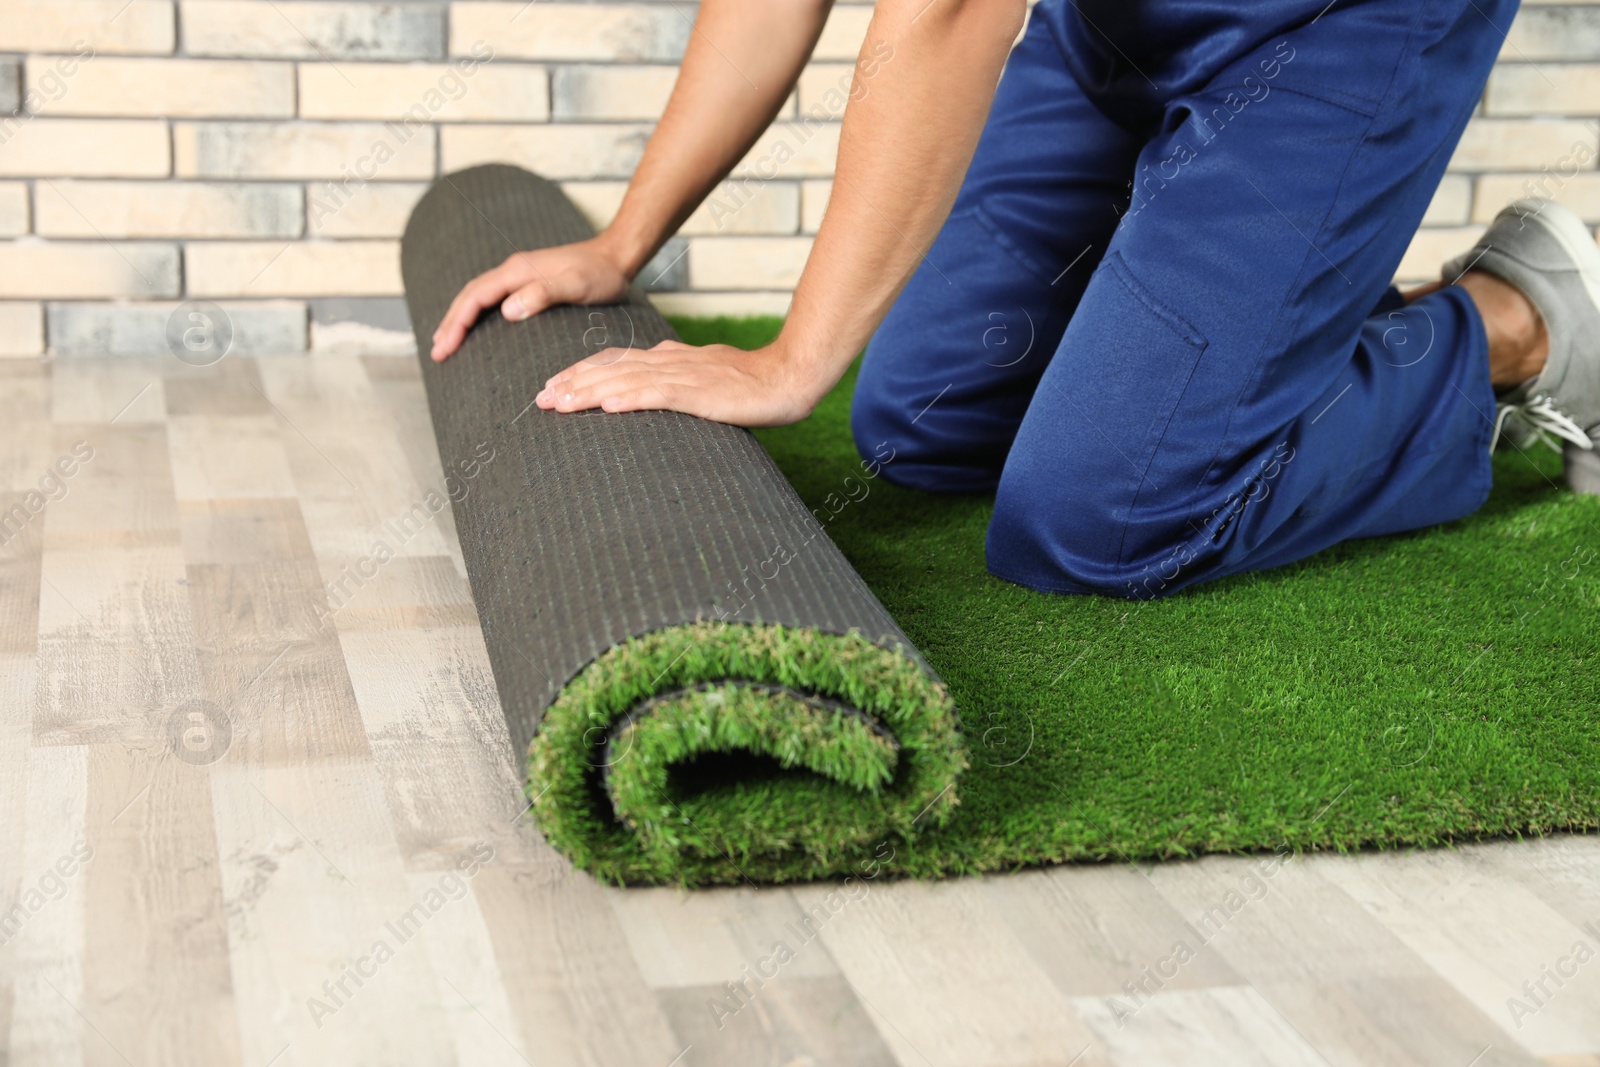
(1540, 414)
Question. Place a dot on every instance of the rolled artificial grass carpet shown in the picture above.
(706, 690)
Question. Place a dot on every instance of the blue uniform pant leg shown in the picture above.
(1224, 397)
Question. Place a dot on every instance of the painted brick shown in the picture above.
(1554, 33)
(84, 148)
(668, 269)
(13, 209)
(166, 209)
(610, 92)
(311, 29)
(144, 27)
(564, 151)
(628, 32)
(766, 208)
(813, 202)
(182, 88)
(308, 150)
(88, 269)
(1543, 89)
(710, 305)
(556, 151)
(1431, 248)
(45, 82)
(299, 268)
(377, 209)
(266, 328)
(798, 149)
(747, 262)
(10, 85)
(21, 328)
(1580, 192)
(1451, 202)
(1522, 144)
(369, 325)
(842, 36)
(826, 85)
(434, 92)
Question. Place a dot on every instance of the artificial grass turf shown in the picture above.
(1431, 687)
(837, 743)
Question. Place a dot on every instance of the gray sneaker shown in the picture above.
(1549, 254)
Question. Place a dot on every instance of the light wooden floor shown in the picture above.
(214, 805)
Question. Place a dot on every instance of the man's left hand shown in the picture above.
(718, 382)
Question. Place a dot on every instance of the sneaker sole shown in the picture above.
(1583, 470)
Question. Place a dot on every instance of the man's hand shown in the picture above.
(766, 387)
(528, 282)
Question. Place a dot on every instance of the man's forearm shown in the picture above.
(740, 65)
(903, 151)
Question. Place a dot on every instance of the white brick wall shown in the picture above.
(264, 154)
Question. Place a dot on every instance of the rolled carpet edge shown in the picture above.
(865, 741)
(661, 746)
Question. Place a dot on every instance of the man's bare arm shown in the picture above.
(903, 151)
(740, 65)
(904, 148)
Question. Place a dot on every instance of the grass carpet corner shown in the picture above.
(1414, 690)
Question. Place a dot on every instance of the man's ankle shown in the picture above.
(1518, 341)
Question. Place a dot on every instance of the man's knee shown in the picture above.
(1061, 542)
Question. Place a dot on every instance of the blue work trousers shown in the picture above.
(1159, 322)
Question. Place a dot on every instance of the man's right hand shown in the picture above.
(528, 282)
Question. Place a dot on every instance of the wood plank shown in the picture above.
(24, 426)
(156, 974)
(1224, 1025)
(228, 457)
(1486, 931)
(439, 742)
(355, 488)
(230, 387)
(44, 918)
(115, 645)
(793, 1019)
(945, 980)
(471, 993)
(1352, 989)
(116, 651)
(123, 391)
(24, 397)
(312, 886)
(568, 973)
(270, 665)
(1103, 929)
(396, 385)
(17, 685)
